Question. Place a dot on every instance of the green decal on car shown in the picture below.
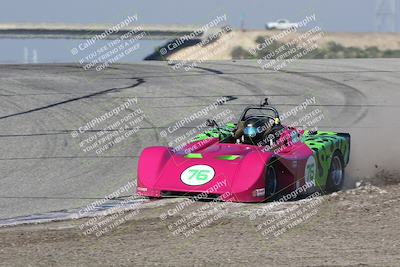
(229, 157)
(324, 144)
(194, 156)
(222, 133)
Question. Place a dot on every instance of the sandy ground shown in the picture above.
(246, 40)
(358, 227)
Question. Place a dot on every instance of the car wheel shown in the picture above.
(271, 181)
(336, 173)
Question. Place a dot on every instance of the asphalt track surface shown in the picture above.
(43, 168)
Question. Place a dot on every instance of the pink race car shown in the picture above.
(255, 159)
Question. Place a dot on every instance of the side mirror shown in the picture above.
(212, 123)
(264, 102)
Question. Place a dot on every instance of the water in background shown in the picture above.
(17, 51)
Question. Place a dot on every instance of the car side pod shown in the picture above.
(251, 177)
(151, 162)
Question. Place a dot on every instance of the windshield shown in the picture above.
(258, 112)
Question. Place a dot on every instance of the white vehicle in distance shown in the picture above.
(280, 24)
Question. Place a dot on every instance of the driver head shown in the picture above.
(255, 129)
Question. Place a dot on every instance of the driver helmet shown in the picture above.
(255, 130)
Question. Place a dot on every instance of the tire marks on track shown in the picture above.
(117, 89)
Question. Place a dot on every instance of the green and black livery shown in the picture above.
(325, 145)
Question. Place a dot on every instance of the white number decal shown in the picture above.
(197, 175)
(310, 171)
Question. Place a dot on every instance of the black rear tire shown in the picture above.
(335, 178)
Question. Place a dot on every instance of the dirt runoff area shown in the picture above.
(357, 227)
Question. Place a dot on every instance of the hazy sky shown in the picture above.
(334, 15)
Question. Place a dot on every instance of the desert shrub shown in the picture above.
(330, 50)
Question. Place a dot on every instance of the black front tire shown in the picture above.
(271, 182)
